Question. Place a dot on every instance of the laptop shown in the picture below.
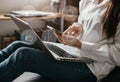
(55, 52)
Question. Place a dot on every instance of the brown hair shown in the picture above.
(111, 22)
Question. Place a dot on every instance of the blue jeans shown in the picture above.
(20, 57)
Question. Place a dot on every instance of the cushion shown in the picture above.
(31, 77)
(114, 76)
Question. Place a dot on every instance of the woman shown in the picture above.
(99, 40)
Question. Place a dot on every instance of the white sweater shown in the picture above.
(105, 53)
(94, 44)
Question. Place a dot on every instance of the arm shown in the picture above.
(103, 51)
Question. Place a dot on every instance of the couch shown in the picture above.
(114, 76)
(31, 77)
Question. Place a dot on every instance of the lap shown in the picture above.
(39, 62)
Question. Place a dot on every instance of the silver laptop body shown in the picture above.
(46, 48)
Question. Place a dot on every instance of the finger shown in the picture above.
(59, 37)
(67, 29)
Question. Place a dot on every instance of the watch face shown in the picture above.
(48, 35)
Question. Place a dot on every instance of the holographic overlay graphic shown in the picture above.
(70, 13)
(50, 9)
(28, 9)
(29, 36)
(48, 35)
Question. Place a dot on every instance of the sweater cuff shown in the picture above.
(87, 45)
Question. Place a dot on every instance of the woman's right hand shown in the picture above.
(69, 35)
(73, 31)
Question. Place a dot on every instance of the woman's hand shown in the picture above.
(73, 31)
(69, 37)
(71, 34)
(71, 41)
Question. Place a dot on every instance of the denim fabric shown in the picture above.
(20, 57)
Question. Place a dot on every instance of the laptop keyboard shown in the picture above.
(60, 52)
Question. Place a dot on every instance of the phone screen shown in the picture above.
(59, 34)
(54, 30)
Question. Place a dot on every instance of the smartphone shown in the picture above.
(54, 30)
(58, 33)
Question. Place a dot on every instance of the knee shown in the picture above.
(17, 44)
(22, 52)
(28, 54)
(25, 53)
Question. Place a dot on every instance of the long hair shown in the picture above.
(113, 19)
